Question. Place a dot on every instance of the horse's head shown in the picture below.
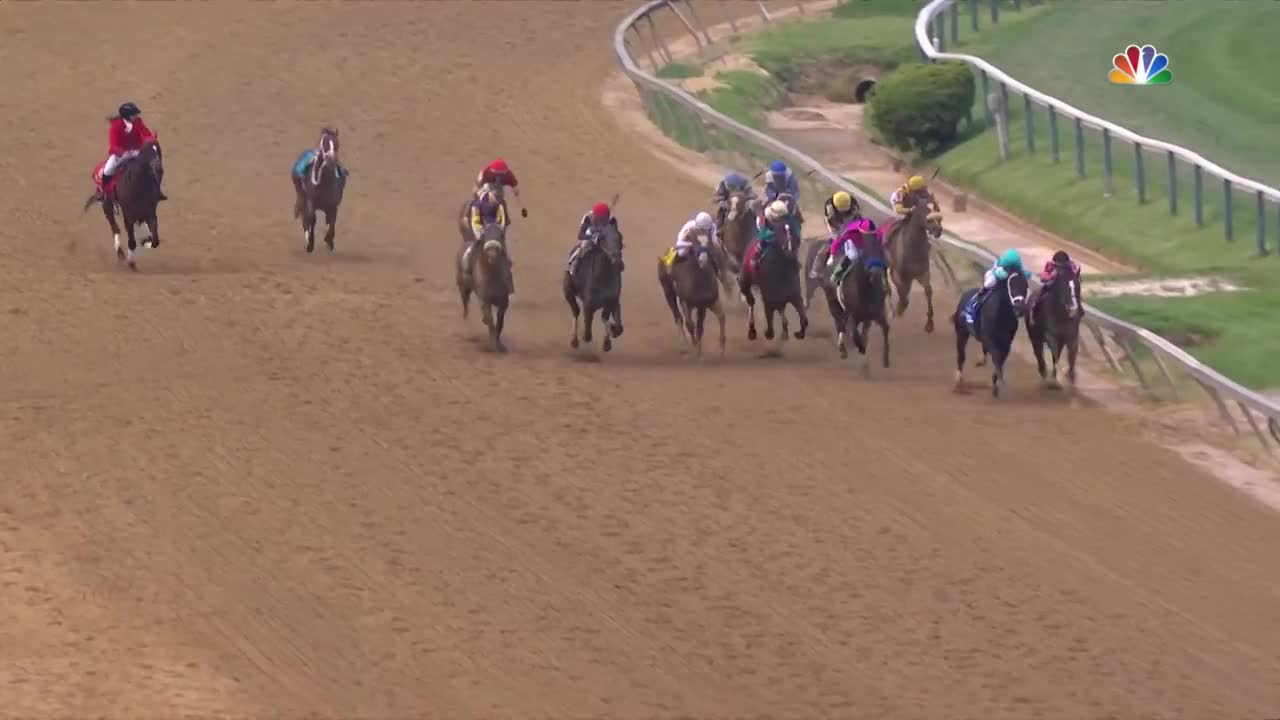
(1017, 288)
(610, 243)
(492, 242)
(1065, 287)
(151, 155)
(702, 255)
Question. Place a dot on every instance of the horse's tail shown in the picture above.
(92, 198)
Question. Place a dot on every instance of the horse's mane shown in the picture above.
(328, 131)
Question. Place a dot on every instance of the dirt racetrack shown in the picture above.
(250, 482)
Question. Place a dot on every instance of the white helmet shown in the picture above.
(704, 222)
(777, 210)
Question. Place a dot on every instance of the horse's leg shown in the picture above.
(108, 210)
(750, 299)
(1073, 347)
(718, 310)
(997, 371)
(309, 227)
(689, 328)
(331, 219)
(669, 292)
(927, 283)
(464, 292)
(903, 285)
(839, 319)
(768, 320)
(1035, 333)
(962, 340)
(589, 318)
(606, 323)
(701, 323)
(799, 304)
(153, 227)
(499, 323)
(133, 244)
(576, 310)
(615, 318)
(884, 334)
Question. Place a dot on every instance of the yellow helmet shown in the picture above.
(842, 201)
(917, 183)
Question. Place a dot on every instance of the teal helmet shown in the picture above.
(1010, 260)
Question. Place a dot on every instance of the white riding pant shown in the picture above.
(682, 246)
(850, 251)
(114, 161)
(989, 279)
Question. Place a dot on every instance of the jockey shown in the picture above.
(487, 209)
(126, 134)
(779, 181)
(905, 197)
(701, 227)
(498, 176)
(593, 222)
(840, 209)
(766, 230)
(848, 245)
(733, 182)
(1061, 260)
(1008, 263)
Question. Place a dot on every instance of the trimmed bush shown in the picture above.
(919, 107)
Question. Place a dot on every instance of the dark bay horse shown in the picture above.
(860, 300)
(907, 243)
(482, 270)
(692, 289)
(996, 325)
(135, 189)
(1054, 319)
(777, 275)
(596, 283)
(739, 230)
(319, 188)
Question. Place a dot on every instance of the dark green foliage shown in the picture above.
(919, 107)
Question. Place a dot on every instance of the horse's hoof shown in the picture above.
(574, 342)
(499, 347)
(616, 330)
(751, 333)
(311, 248)
(800, 334)
(928, 325)
(607, 345)
(844, 353)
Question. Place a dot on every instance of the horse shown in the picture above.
(907, 242)
(1054, 318)
(691, 289)
(481, 267)
(135, 189)
(997, 324)
(597, 282)
(319, 189)
(739, 227)
(860, 300)
(778, 276)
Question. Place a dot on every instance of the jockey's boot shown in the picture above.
(842, 268)
(816, 269)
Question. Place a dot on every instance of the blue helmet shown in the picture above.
(1010, 260)
(734, 179)
(778, 167)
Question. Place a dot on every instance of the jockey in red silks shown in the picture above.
(498, 176)
(126, 134)
(1060, 261)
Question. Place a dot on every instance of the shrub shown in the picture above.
(678, 71)
(919, 107)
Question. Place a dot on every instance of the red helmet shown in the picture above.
(499, 166)
(600, 211)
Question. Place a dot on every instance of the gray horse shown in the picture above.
(596, 284)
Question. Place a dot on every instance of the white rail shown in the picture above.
(665, 100)
(933, 47)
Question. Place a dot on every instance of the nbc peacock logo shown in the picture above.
(1140, 66)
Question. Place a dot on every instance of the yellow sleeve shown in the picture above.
(475, 219)
(502, 215)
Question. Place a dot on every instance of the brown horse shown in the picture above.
(860, 300)
(1054, 318)
(318, 185)
(481, 268)
(777, 274)
(738, 230)
(692, 288)
(907, 242)
(136, 190)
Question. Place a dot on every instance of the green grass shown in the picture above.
(678, 71)
(871, 40)
(1218, 52)
(745, 96)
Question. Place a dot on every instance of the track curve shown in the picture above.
(250, 481)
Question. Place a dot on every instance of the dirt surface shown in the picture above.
(250, 482)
